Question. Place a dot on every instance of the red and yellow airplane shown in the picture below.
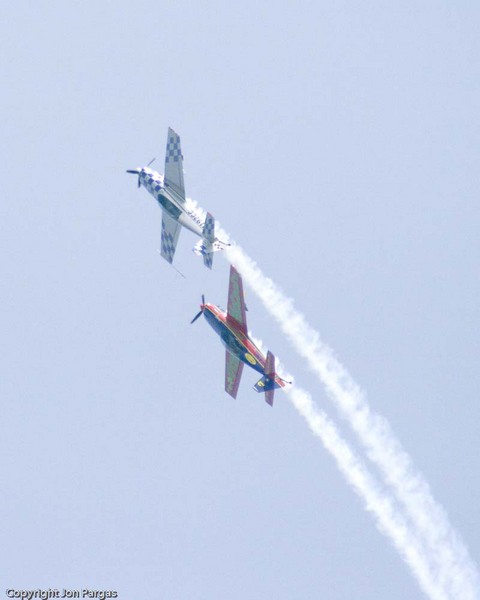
(231, 326)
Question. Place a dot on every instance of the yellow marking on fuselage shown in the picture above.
(241, 340)
(241, 337)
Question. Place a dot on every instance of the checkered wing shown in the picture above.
(174, 164)
(236, 303)
(170, 233)
(233, 374)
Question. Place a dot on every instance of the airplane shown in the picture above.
(231, 326)
(169, 191)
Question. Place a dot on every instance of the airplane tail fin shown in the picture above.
(208, 244)
(267, 383)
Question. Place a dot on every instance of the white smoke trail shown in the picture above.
(377, 501)
(387, 517)
(454, 568)
(455, 571)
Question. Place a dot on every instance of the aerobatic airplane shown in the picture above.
(231, 326)
(169, 191)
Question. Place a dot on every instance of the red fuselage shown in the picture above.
(235, 340)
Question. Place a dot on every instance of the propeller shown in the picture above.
(202, 308)
(138, 171)
(135, 172)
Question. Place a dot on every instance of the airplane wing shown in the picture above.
(170, 233)
(236, 302)
(233, 374)
(174, 164)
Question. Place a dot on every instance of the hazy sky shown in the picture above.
(339, 144)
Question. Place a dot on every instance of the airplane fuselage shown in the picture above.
(235, 340)
(169, 200)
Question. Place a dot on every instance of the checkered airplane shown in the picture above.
(231, 326)
(169, 191)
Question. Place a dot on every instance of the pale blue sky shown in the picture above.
(339, 143)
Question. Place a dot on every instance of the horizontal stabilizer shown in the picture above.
(208, 244)
(208, 260)
(209, 229)
(267, 383)
(208, 239)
